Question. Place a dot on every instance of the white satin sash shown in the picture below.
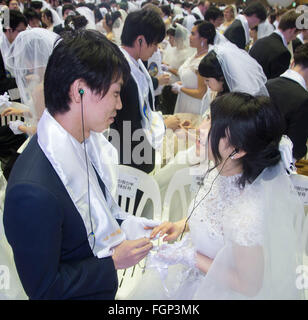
(245, 25)
(67, 157)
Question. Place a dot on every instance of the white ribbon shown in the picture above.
(245, 25)
(286, 152)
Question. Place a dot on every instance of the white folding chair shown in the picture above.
(129, 277)
(148, 186)
(179, 185)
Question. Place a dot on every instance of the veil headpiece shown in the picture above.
(181, 36)
(27, 58)
(242, 72)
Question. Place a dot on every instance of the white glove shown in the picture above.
(164, 67)
(177, 87)
(133, 227)
(4, 101)
(14, 126)
(181, 252)
(286, 148)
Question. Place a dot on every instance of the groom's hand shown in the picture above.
(130, 252)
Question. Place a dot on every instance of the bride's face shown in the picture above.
(224, 148)
(195, 39)
(214, 84)
(172, 41)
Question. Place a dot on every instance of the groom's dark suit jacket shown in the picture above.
(6, 83)
(128, 148)
(292, 100)
(272, 55)
(236, 34)
(48, 237)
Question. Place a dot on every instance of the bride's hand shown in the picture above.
(172, 229)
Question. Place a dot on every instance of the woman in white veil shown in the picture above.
(226, 68)
(245, 225)
(27, 58)
(179, 49)
(89, 15)
(113, 24)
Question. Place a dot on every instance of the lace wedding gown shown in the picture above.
(232, 226)
(210, 210)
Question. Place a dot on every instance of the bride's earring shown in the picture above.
(202, 44)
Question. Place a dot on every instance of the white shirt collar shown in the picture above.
(282, 37)
(301, 38)
(295, 76)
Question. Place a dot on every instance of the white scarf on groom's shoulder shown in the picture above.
(67, 157)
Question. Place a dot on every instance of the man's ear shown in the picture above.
(76, 89)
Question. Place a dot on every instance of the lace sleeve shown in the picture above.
(243, 224)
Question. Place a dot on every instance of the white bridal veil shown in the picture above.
(242, 73)
(175, 56)
(27, 58)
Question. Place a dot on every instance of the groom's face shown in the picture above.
(101, 112)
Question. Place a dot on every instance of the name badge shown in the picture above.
(300, 183)
(127, 185)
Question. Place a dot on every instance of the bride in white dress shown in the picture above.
(192, 88)
(245, 224)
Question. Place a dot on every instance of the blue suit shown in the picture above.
(48, 237)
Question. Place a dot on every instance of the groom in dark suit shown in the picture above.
(142, 32)
(272, 51)
(289, 94)
(49, 209)
(238, 31)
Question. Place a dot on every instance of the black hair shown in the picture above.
(123, 5)
(83, 54)
(16, 17)
(206, 30)
(171, 32)
(213, 13)
(75, 22)
(256, 8)
(252, 124)
(48, 14)
(97, 15)
(30, 14)
(91, 6)
(36, 4)
(68, 7)
(186, 5)
(166, 10)
(143, 22)
(301, 55)
(104, 5)
(112, 17)
(209, 67)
